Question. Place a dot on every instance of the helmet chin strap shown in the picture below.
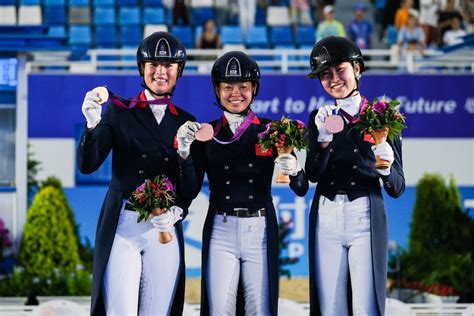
(243, 112)
(356, 88)
(166, 94)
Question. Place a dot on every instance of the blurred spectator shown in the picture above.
(401, 17)
(209, 38)
(330, 26)
(180, 12)
(389, 15)
(360, 30)
(247, 11)
(320, 5)
(468, 12)
(411, 38)
(455, 34)
(429, 21)
(300, 12)
(380, 7)
(222, 10)
(444, 19)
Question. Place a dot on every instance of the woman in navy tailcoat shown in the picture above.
(348, 225)
(133, 273)
(240, 237)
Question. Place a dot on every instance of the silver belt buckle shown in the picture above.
(240, 210)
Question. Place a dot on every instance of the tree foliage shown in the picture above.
(441, 238)
(49, 239)
(86, 251)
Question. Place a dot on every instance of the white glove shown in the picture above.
(166, 221)
(92, 109)
(289, 165)
(185, 136)
(385, 152)
(319, 119)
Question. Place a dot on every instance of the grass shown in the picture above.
(295, 289)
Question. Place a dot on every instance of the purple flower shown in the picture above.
(168, 184)
(379, 107)
(141, 187)
(266, 131)
(364, 106)
(300, 124)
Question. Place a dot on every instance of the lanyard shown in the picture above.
(125, 103)
(238, 133)
(350, 118)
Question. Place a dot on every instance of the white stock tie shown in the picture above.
(158, 111)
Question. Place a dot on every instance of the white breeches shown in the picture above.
(141, 274)
(343, 248)
(238, 249)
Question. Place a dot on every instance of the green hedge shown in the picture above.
(441, 239)
(49, 240)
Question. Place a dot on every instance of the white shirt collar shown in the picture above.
(157, 109)
(234, 120)
(351, 104)
(149, 96)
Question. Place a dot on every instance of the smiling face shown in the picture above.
(235, 96)
(339, 80)
(160, 77)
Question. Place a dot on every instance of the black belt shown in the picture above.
(243, 212)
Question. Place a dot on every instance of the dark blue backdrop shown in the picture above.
(435, 105)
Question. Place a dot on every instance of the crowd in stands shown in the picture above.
(411, 24)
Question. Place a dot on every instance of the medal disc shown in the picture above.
(205, 133)
(334, 124)
(103, 94)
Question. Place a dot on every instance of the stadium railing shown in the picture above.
(270, 60)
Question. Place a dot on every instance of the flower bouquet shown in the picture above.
(380, 119)
(285, 135)
(153, 198)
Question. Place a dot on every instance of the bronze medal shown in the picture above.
(334, 124)
(205, 133)
(103, 94)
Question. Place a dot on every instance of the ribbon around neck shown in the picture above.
(353, 119)
(126, 103)
(238, 133)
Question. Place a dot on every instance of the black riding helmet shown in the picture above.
(235, 66)
(333, 50)
(164, 47)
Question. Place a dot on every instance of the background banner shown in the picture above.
(435, 106)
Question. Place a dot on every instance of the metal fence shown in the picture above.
(79, 306)
(270, 60)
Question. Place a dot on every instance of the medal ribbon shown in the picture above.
(125, 103)
(238, 133)
(353, 119)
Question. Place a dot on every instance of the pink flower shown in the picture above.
(364, 106)
(169, 185)
(141, 187)
(266, 131)
(379, 107)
